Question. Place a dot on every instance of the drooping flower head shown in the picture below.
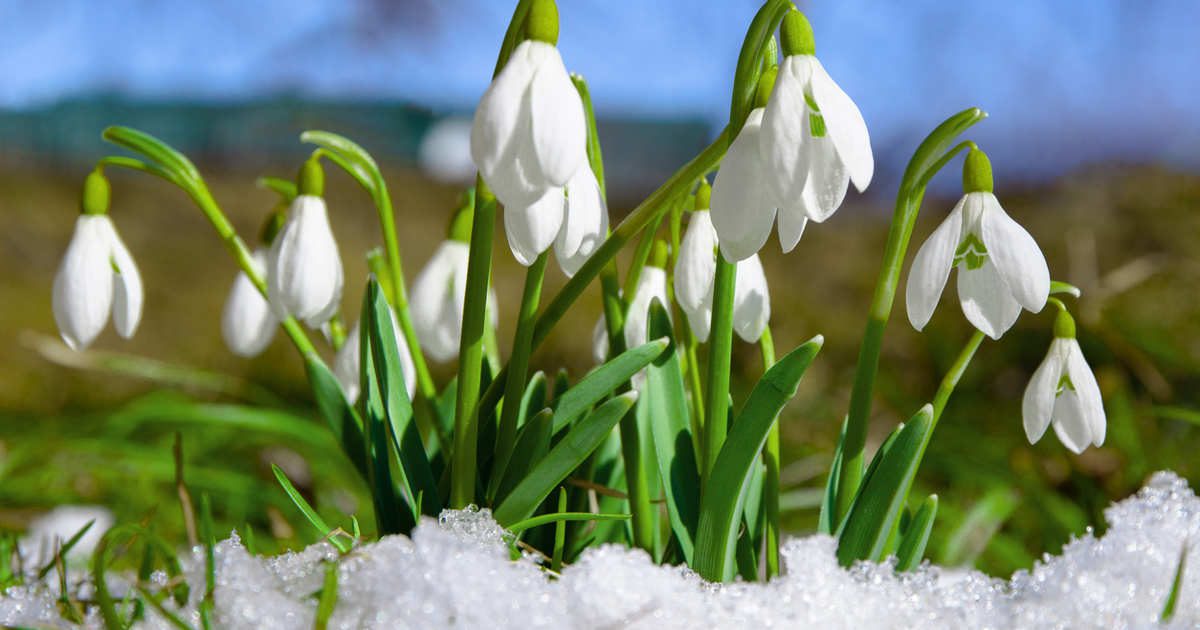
(585, 221)
(695, 272)
(247, 323)
(651, 285)
(97, 275)
(1000, 267)
(1063, 393)
(304, 269)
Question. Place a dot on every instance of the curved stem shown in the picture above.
(720, 350)
(470, 352)
(771, 480)
(930, 156)
(950, 380)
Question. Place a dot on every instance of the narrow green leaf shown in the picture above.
(560, 533)
(568, 454)
(1057, 287)
(341, 416)
(394, 513)
(348, 155)
(826, 520)
(308, 511)
(64, 549)
(884, 492)
(389, 379)
(533, 442)
(285, 188)
(559, 517)
(534, 398)
(562, 382)
(722, 499)
(207, 538)
(985, 518)
(916, 537)
(1168, 610)
(601, 382)
(1182, 414)
(328, 598)
(172, 618)
(153, 148)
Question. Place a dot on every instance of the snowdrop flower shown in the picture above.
(97, 275)
(1000, 267)
(695, 271)
(304, 269)
(652, 285)
(247, 323)
(1063, 392)
(585, 221)
(814, 141)
(529, 135)
(438, 295)
(347, 363)
(743, 208)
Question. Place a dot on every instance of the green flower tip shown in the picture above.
(977, 172)
(96, 193)
(1064, 325)
(542, 23)
(658, 258)
(703, 196)
(797, 35)
(464, 217)
(273, 225)
(311, 180)
(766, 83)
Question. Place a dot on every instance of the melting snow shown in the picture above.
(456, 572)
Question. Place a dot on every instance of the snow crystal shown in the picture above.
(457, 572)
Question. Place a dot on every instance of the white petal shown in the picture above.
(652, 284)
(751, 300)
(532, 229)
(347, 365)
(845, 125)
(699, 320)
(127, 289)
(434, 304)
(827, 180)
(1037, 405)
(600, 341)
(500, 111)
(585, 222)
(556, 117)
(247, 324)
(83, 286)
(1088, 391)
(742, 208)
(696, 266)
(792, 221)
(786, 131)
(985, 299)
(931, 267)
(304, 271)
(1070, 425)
(1016, 255)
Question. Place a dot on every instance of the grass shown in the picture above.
(70, 435)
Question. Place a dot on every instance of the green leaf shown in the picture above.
(64, 549)
(534, 398)
(1168, 610)
(916, 537)
(1057, 286)
(723, 497)
(978, 527)
(154, 149)
(568, 454)
(308, 511)
(825, 521)
(533, 442)
(349, 156)
(342, 418)
(884, 492)
(285, 188)
(328, 597)
(932, 150)
(560, 517)
(601, 381)
(389, 378)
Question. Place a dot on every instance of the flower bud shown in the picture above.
(797, 35)
(977, 172)
(96, 193)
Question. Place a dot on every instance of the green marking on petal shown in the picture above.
(972, 252)
(1064, 384)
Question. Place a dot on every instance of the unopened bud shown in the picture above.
(96, 193)
(797, 35)
(977, 172)
(542, 22)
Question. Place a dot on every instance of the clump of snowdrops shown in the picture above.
(649, 448)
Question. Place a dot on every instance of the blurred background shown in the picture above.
(1094, 132)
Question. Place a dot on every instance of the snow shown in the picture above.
(457, 572)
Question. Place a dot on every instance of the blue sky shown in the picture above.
(1065, 82)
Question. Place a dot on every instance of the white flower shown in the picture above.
(347, 363)
(1063, 392)
(1000, 267)
(652, 285)
(304, 270)
(436, 302)
(247, 323)
(695, 271)
(585, 221)
(532, 228)
(813, 143)
(529, 132)
(743, 208)
(97, 276)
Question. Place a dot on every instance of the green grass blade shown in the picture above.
(1168, 610)
(916, 537)
(153, 148)
(389, 379)
(173, 619)
(560, 533)
(533, 400)
(562, 517)
(982, 522)
(666, 403)
(308, 511)
(826, 521)
(348, 155)
(601, 381)
(209, 541)
(343, 420)
(723, 497)
(328, 597)
(533, 442)
(568, 454)
(884, 492)
(64, 550)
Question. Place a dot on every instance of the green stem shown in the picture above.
(470, 352)
(950, 380)
(929, 157)
(518, 370)
(636, 484)
(720, 349)
(771, 460)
